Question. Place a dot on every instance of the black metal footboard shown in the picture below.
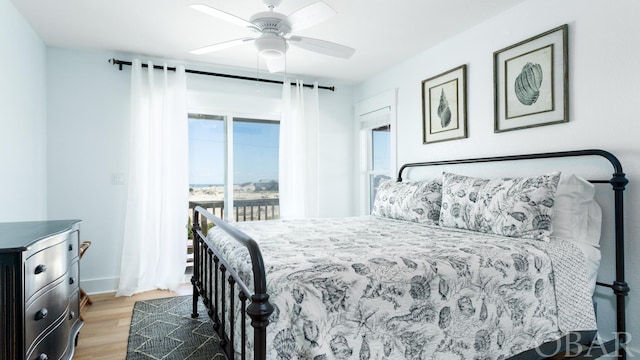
(212, 274)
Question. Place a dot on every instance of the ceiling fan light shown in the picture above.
(271, 46)
(271, 53)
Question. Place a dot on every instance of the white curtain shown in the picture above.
(155, 234)
(299, 124)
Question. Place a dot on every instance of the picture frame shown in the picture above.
(444, 106)
(531, 82)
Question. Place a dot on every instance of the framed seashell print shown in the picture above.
(531, 82)
(444, 106)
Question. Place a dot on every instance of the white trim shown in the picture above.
(228, 166)
(369, 114)
(375, 118)
(100, 286)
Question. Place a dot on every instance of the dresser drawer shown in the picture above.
(46, 310)
(74, 277)
(54, 346)
(73, 245)
(44, 267)
(74, 309)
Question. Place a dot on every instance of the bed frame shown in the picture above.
(212, 273)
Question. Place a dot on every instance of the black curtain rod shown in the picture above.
(120, 63)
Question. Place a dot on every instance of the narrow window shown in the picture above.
(376, 153)
(376, 120)
(255, 169)
(207, 162)
(380, 159)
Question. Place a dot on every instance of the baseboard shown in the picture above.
(186, 279)
(99, 286)
(107, 285)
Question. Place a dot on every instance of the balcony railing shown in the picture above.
(243, 210)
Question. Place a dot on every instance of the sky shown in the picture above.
(381, 150)
(255, 147)
(255, 151)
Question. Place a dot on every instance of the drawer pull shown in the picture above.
(41, 268)
(72, 280)
(43, 356)
(72, 314)
(42, 314)
(70, 247)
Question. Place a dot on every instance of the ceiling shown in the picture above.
(383, 32)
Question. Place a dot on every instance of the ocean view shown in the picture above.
(262, 189)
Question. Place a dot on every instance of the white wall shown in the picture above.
(88, 143)
(23, 119)
(604, 53)
(336, 162)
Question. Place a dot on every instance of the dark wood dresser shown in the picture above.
(39, 289)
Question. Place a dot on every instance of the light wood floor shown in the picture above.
(106, 323)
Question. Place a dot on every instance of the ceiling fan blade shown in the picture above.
(222, 15)
(310, 15)
(222, 45)
(275, 65)
(322, 46)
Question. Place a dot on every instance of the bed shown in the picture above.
(450, 267)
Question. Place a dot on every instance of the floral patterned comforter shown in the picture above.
(376, 288)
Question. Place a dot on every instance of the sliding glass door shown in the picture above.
(233, 166)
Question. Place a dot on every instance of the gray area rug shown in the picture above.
(162, 329)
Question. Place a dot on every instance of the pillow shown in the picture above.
(417, 201)
(576, 214)
(577, 217)
(515, 207)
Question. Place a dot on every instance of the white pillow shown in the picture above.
(577, 217)
(576, 214)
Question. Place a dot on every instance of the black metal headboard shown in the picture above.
(618, 183)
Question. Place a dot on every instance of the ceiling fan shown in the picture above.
(273, 32)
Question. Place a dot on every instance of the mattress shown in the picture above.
(371, 288)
